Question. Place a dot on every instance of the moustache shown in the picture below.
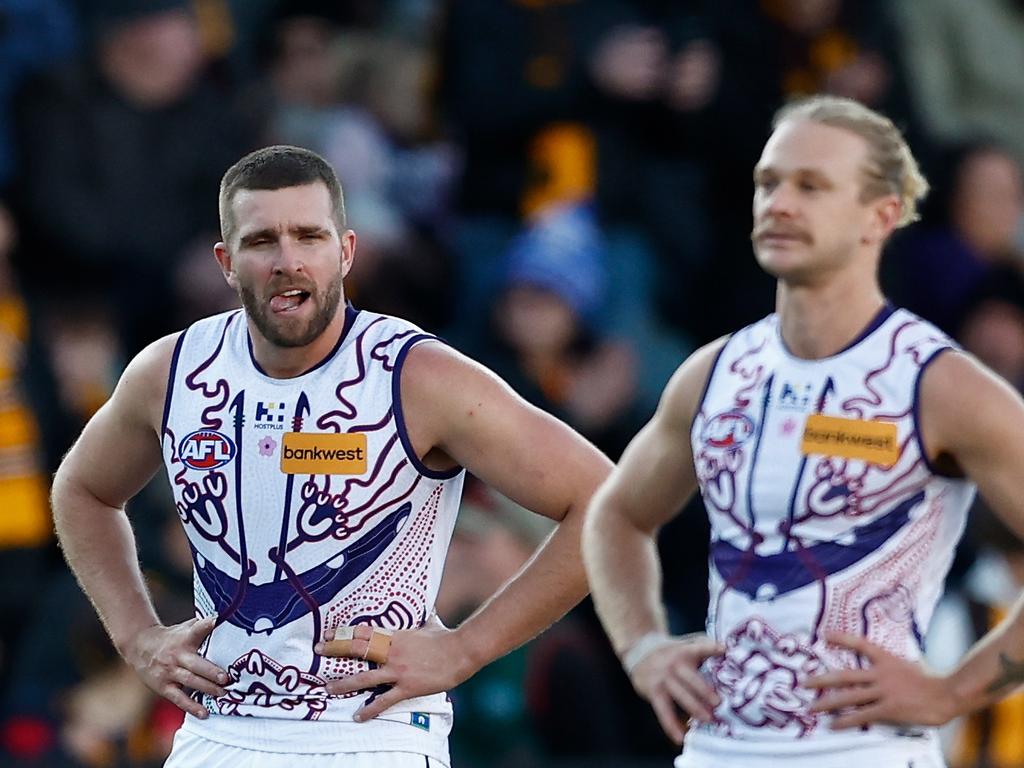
(759, 233)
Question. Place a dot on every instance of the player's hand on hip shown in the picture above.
(414, 662)
(168, 661)
(890, 690)
(669, 678)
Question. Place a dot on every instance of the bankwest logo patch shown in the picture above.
(206, 449)
(872, 441)
(309, 453)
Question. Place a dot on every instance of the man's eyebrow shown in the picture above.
(807, 171)
(260, 234)
(308, 229)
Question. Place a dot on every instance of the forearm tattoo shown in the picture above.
(1011, 674)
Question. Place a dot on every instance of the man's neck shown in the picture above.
(818, 321)
(288, 362)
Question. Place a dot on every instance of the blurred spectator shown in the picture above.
(546, 337)
(513, 89)
(126, 149)
(972, 227)
(966, 60)
(493, 539)
(993, 326)
(358, 97)
(33, 35)
(25, 525)
(656, 69)
(550, 699)
(72, 701)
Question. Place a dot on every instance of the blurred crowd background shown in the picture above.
(560, 188)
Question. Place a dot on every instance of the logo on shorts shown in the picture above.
(206, 449)
(727, 430)
(311, 453)
(420, 720)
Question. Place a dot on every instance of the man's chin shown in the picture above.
(291, 337)
(781, 264)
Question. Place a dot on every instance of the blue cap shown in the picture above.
(561, 251)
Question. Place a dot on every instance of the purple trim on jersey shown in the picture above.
(301, 408)
(880, 317)
(707, 383)
(916, 408)
(403, 432)
(747, 572)
(754, 455)
(246, 567)
(170, 382)
(830, 386)
(350, 319)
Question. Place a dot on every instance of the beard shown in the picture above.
(287, 332)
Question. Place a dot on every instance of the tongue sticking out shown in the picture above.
(284, 303)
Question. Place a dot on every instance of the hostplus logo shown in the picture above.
(270, 415)
(795, 398)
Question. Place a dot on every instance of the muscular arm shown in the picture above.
(471, 416)
(115, 457)
(652, 482)
(977, 419)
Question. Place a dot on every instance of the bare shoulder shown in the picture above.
(683, 393)
(459, 413)
(956, 382)
(434, 370)
(964, 405)
(142, 388)
(445, 392)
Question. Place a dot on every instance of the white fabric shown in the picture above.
(364, 548)
(703, 751)
(191, 751)
(806, 543)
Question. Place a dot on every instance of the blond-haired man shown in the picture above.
(836, 444)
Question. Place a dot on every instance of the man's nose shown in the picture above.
(289, 257)
(780, 201)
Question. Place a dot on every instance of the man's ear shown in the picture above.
(348, 251)
(886, 213)
(226, 264)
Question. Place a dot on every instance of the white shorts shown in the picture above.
(191, 751)
(727, 753)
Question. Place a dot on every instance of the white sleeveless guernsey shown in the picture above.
(306, 509)
(817, 524)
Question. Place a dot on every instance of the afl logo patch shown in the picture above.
(727, 430)
(206, 449)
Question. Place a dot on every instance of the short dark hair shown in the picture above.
(278, 167)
